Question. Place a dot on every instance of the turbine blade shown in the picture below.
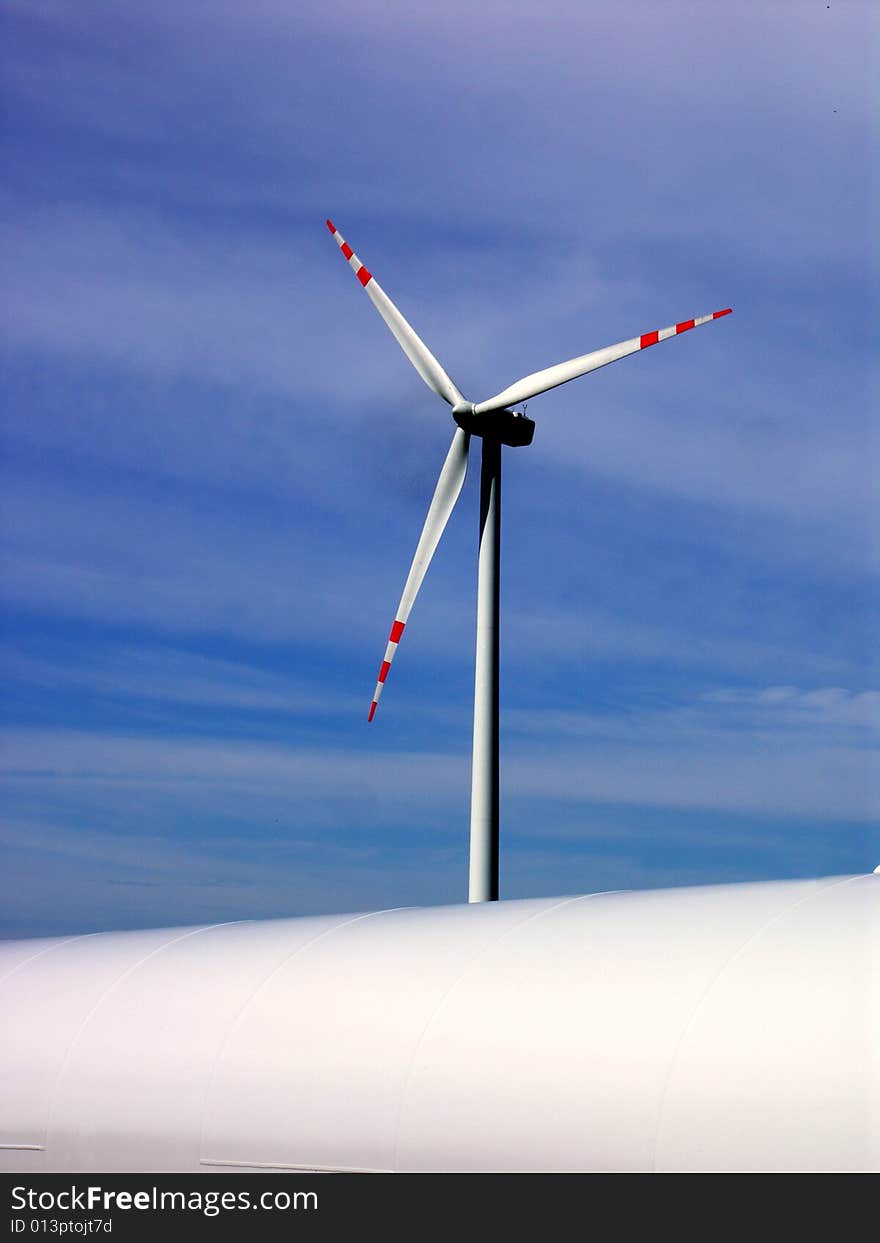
(552, 377)
(446, 493)
(407, 338)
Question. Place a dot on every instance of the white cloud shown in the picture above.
(684, 758)
(177, 676)
(587, 634)
(822, 706)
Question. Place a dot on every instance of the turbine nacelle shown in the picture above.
(508, 427)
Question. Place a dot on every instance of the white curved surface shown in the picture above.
(717, 1028)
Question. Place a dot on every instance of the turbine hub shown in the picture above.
(508, 426)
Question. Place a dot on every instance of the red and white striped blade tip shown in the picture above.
(363, 273)
(660, 334)
(397, 630)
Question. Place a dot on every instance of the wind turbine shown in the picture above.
(497, 424)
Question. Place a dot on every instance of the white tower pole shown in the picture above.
(483, 879)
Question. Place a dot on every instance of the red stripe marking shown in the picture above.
(346, 250)
(364, 276)
(718, 314)
(331, 226)
(684, 325)
(372, 710)
(648, 338)
(383, 670)
(397, 631)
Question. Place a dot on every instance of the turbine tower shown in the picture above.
(497, 424)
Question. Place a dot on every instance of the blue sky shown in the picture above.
(216, 461)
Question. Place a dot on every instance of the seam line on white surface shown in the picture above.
(53, 1100)
(47, 949)
(286, 1165)
(236, 1021)
(475, 958)
(728, 962)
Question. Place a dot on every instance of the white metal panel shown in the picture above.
(14, 954)
(786, 1044)
(136, 1078)
(46, 1004)
(572, 1023)
(725, 1027)
(315, 1070)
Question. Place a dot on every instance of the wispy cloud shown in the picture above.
(823, 707)
(176, 676)
(134, 291)
(692, 756)
(216, 460)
